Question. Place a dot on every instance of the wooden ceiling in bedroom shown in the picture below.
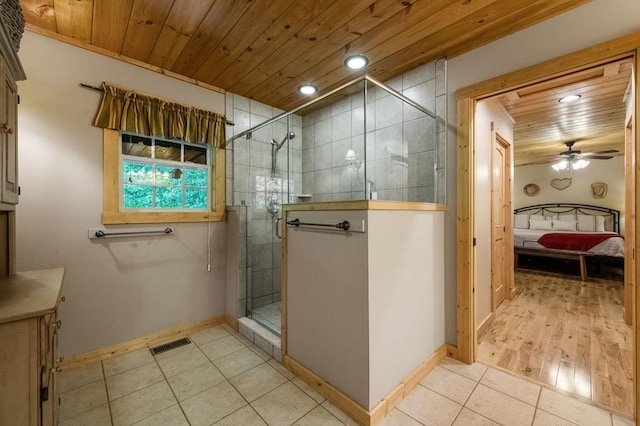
(264, 49)
(596, 121)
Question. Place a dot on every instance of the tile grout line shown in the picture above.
(464, 404)
(248, 404)
(155, 360)
(511, 396)
(59, 396)
(104, 378)
(535, 411)
(317, 404)
(166, 380)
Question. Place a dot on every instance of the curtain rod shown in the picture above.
(101, 90)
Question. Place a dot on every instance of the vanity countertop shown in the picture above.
(29, 294)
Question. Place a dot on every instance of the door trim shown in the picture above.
(623, 47)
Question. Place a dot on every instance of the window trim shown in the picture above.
(111, 213)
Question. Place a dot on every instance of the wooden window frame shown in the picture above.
(111, 213)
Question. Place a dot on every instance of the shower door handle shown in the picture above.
(278, 220)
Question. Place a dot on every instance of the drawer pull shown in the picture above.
(58, 324)
(59, 359)
(62, 299)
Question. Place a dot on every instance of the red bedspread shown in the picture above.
(578, 242)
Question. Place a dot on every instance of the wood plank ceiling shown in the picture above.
(264, 49)
(594, 122)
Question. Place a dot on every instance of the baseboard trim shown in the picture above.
(86, 358)
(452, 351)
(358, 413)
(231, 321)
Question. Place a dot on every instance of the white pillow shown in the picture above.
(551, 216)
(537, 217)
(586, 223)
(567, 217)
(541, 224)
(521, 221)
(564, 225)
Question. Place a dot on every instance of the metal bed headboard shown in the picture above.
(568, 208)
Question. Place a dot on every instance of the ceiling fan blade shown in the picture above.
(596, 157)
(604, 151)
(534, 163)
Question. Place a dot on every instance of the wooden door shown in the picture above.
(500, 211)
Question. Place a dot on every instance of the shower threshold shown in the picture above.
(268, 316)
(261, 336)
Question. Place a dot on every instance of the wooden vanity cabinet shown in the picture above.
(28, 346)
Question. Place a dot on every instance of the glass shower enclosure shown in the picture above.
(363, 141)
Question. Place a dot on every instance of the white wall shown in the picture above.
(592, 23)
(116, 289)
(610, 172)
(406, 318)
(487, 113)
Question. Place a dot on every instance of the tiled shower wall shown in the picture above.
(251, 185)
(405, 148)
(405, 157)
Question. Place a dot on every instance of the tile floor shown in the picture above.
(223, 379)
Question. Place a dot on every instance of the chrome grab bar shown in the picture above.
(344, 225)
(278, 227)
(103, 233)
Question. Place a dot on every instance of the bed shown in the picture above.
(568, 231)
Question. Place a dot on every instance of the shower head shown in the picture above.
(289, 135)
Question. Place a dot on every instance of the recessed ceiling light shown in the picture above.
(569, 98)
(356, 62)
(308, 89)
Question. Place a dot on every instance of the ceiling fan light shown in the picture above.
(560, 165)
(580, 164)
(569, 98)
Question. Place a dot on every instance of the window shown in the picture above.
(175, 176)
(154, 180)
(164, 175)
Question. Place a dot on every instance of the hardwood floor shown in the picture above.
(565, 333)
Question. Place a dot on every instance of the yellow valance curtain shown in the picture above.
(126, 110)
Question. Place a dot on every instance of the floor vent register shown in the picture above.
(168, 346)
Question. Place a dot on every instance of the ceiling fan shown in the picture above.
(573, 159)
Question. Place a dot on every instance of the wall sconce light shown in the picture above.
(353, 161)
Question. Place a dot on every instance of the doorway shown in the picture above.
(467, 101)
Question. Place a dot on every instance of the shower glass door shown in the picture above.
(271, 176)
